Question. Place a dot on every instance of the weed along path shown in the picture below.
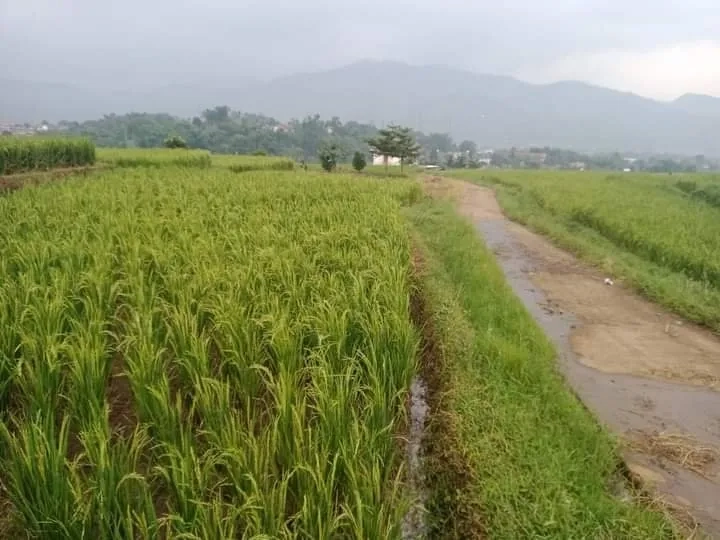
(651, 378)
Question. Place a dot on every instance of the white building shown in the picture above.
(386, 160)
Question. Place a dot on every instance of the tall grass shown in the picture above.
(261, 323)
(22, 154)
(154, 157)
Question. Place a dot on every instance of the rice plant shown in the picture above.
(23, 154)
(154, 157)
(256, 328)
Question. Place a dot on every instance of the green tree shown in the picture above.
(175, 141)
(395, 141)
(359, 162)
(329, 155)
(217, 115)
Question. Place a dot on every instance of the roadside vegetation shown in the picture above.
(26, 154)
(512, 454)
(659, 233)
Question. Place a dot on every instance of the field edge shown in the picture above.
(463, 468)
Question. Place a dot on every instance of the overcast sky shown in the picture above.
(658, 48)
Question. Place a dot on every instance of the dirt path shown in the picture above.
(649, 376)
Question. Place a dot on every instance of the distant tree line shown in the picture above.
(223, 130)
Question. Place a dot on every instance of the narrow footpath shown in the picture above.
(650, 377)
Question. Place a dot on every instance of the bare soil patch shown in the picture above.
(122, 416)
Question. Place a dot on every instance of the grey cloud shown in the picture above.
(152, 42)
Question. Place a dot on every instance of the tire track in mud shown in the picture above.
(650, 377)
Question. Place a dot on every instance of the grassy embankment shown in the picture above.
(513, 453)
(658, 233)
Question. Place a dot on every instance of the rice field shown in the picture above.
(187, 352)
(180, 157)
(181, 359)
(661, 232)
(154, 157)
(25, 154)
(243, 163)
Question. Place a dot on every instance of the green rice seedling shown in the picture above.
(116, 498)
(37, 477)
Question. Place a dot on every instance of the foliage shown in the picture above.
(20, 154)
(224, 131)
(257, 328)
(359, 162)
(395, 141)
(154, 157)
(329, 154)
(175, 141)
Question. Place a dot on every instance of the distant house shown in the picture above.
(536, 158)
(385, 160)
(281, 128)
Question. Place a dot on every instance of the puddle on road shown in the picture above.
(413, 527)
(625, 403)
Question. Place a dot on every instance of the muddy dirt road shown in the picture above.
(652, 378)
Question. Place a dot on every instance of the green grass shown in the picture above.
(24, 154)
(658, 233)
(154, 157)
(529, 460)
(260, 324)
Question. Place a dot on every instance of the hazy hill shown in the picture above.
(491, 110)
(698, 104)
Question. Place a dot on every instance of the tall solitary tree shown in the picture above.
(395, 141)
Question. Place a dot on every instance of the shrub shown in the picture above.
(329, 156)
(175, 141)
(359, 162)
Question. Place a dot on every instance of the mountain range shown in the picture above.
(493, 111)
